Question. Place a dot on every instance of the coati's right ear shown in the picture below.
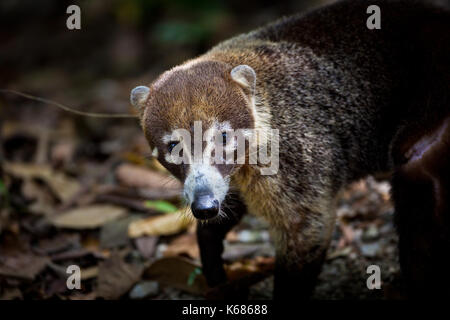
(138, 97)
(245, 76)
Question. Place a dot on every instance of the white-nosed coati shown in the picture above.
(348, 102)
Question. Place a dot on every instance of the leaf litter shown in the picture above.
(99, 201)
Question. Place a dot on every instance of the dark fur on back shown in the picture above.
(329, 73)
(348, 102)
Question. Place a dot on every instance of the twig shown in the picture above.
(69, 109)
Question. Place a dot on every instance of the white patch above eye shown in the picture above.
(166, 138)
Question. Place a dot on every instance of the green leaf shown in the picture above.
(161, 205)
(193, 275)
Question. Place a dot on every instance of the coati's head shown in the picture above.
(198, 102)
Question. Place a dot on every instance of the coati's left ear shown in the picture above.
(138, 97)
(245, 76)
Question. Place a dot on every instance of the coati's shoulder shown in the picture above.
(413, 44)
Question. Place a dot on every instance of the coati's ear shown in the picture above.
(245, 76)
(138, 97)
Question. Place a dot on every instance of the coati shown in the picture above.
(348, 102)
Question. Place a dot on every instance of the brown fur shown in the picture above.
(348, 102)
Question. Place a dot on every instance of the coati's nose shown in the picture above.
(205, 206)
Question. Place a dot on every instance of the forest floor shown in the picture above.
(85, 193)
(114, 212)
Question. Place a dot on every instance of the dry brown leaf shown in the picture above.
(63, 186)
(242, 275)
(43, 202)
(139, 177)
(244, 267)
(342, 252)
(91, 243)
(60, 243)
(23, 266)
(179, 273)
(115, 277)
(146, 245)
(167, 224)
(81, 296)
(11, 294)
(88, 217)
(89, 273)
(62, 152)
(347, 232)
(184, 244)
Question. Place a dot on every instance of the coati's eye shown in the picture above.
(171, 145)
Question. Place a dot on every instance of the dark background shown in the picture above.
(123, 44)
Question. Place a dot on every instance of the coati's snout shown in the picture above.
(205, 189)
(205, 206)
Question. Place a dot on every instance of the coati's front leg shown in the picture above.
(301, 251)
(210, 236)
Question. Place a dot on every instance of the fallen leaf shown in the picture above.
(241, 275)
(77, 254)
(56, 286)
(184, 244)
(343, 252)
(167, 224)
(63, 186)
(88, 217)
(89, 273)
(133, 193)
(43, 201)
(160, 205)
(115, 233)
(81, 296)
(236, 251)
(116, 278)
(347, 232)
(62, 152)
(91, 243)
(11, 294)
(146, 246)
(57, 244)
(244, 267)
(139, 177)
(126, 202)
(23, 266)
(179, 273)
